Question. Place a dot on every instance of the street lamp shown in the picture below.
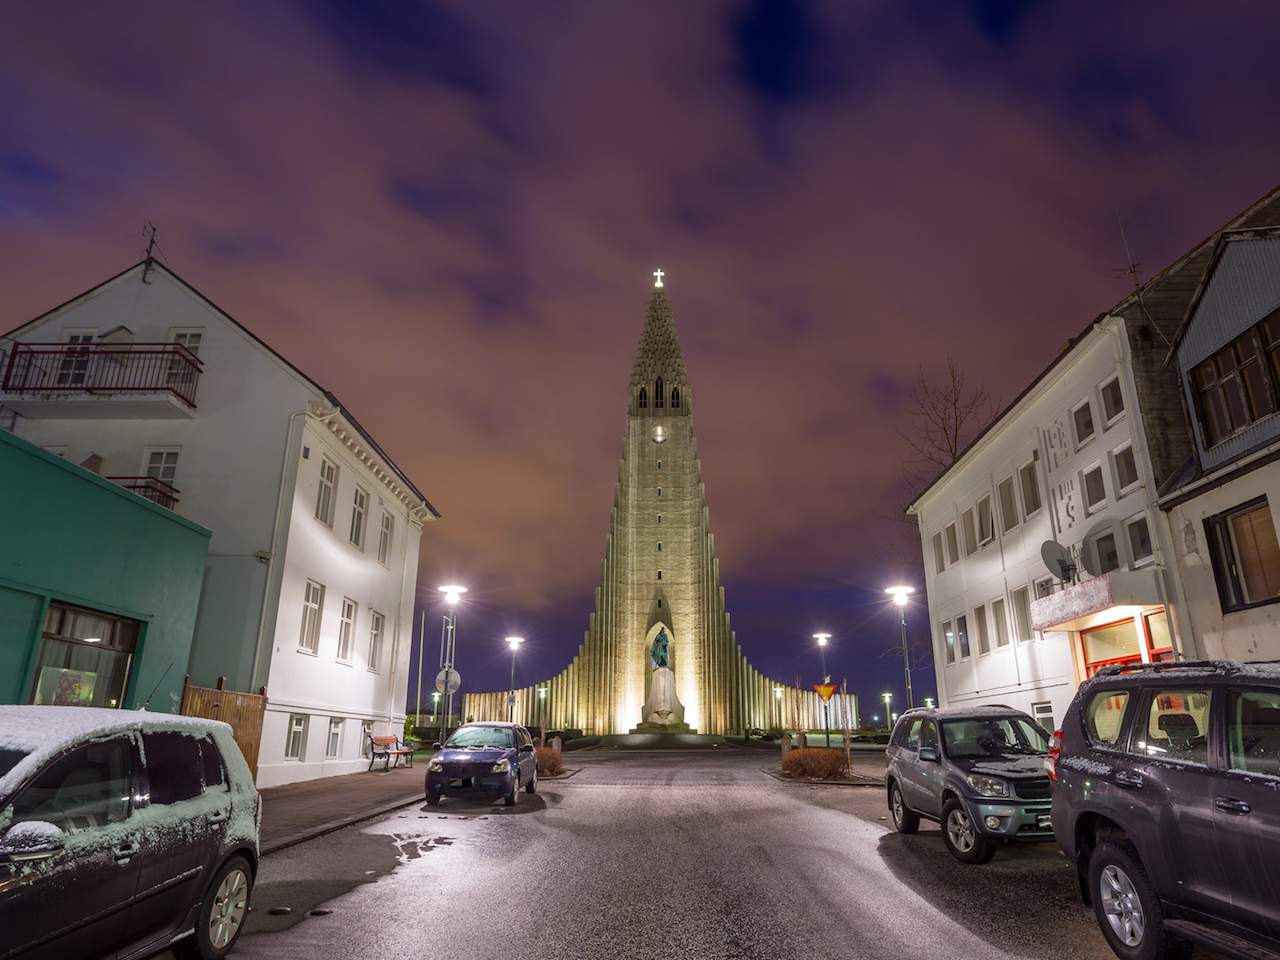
(822, 639)
(514, 644)
(542, 716)
(900, 595)
(449, 646)
(888, 709)
(777, 698)
(435, 705)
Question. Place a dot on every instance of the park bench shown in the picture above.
(389, 750)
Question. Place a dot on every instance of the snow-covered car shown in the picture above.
(122, 833)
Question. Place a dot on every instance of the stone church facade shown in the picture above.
(659, 573)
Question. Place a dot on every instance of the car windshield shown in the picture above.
(993, 737)
(473, 738)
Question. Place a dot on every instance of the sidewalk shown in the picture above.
(299, 811)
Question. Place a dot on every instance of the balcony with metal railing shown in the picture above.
(151, 488)
(101, 380)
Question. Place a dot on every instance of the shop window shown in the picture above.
(1108, 646)
(1175, 727)
(1246, 555)
(84, 658)
(1253, 731)
(1008, 505)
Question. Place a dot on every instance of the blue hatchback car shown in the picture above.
(484, 761)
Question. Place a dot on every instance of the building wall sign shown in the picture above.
(1062, 489)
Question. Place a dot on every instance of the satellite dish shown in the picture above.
(1058, 559)
(1091, 565)
(448, 681)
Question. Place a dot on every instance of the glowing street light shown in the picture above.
(888, 709)
(448, 645)
(901, 597)
(514, 644)
(822, 639)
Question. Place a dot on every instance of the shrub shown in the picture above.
(815, 763)
(549, 762)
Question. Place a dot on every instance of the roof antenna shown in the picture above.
(1132, 270)
(149, 230)
(147, 703)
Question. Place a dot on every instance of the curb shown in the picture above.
(564, 775)
(861, 782)
(301, 836)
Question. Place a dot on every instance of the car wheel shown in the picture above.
(1128, 908)
(514, 795)
(222, 914)
(532, 785)
(904, 821)
(961, 835)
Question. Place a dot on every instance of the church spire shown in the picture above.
(659, 367)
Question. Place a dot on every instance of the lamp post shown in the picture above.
(822, 639)
(514, 644)
(900, 597)
(888, 710)
(542, 716)
(449, 646)
(422, 641)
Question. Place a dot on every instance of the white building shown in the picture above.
(309, 588)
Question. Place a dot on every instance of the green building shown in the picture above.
(98, 587)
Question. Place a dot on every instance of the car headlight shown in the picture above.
(988, 786)
(502, 766)
(435, 766)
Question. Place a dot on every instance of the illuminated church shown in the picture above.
(659, 654)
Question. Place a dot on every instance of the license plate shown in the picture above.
(1043, 821)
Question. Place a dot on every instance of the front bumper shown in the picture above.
(486, 785)
(1011, 819)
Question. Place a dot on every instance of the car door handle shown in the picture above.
(123, 852)
(1128, 780)
(1230, 805)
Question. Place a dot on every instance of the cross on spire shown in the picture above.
(657, 277)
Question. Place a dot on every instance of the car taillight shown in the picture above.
(1051, 758)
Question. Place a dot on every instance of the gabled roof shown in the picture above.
(327, 394)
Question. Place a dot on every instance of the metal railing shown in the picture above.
(152, 488)
(62, 369)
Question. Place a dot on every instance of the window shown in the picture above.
(85, 789)
(1176, 725)
(376, 623)
(953, 545)
(658, 393)
(346, 629)
(211, 762)
(162, 464)
(659, 546)
(180, 374)
(659, 464)
(1000, 620)
(1008, 505)
(334, 744)
(1042, 713)
(909, 735)
(1139, 539)
(1231, 387)
(175, 768)
(659, 491)
(643, 401)
(1022, 613)
(949, 640)
(980, 621)
(1253, 731)
(659, 574)
(1044, 588)
(1082, 418)
(366, 731)
(327, 491)
(659, 518)
(1094, 487)
(1110, 645)
(1030, 488)
(84, 658)
(1104, 716)
(1108, 554)
(312, 606)
(962, 634)
(939, 561)
(359, 513)
(1112, 400)
(1126, 469)
(970, 532)
(73, 367)
(295, 744)
(1246, 556)
(675, 398)
(385, 533)
(986, 530)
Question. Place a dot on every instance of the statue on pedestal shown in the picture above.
(661, 706)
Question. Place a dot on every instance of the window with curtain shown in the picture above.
(1246, 555)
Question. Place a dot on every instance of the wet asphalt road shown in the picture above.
(662, 855)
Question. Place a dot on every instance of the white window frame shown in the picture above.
(145, 469)
(296, 724)
(359, 516)
(1075, 434)
(334, 750)
(969, 530)
(1150, 558)
(1013, 603)
(939, 553)
(961, 656)
(1001, 621)
(312, 615)
(386, 537)
(347, 630)
(1102, 401)
(366, 731)
(1009, 518)
(951, 534)
(1091, 508)
(1040, 710)
(949, 650)
(982, 630)
(377, 633)
(1035, 588)
(1115, 470)
(1097, 554)
(327, 492)
(1022, 490)
(991, 521)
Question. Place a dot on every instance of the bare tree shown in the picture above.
(945, 414)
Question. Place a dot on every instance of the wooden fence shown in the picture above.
(244, 711)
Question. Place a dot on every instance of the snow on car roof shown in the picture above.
(994, 710)
(43, 731)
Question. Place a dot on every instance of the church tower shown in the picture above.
(659, 579)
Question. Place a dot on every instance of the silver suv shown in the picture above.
(978, 771)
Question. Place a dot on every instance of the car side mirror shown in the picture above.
(526, 748)
(437, 745)
(929, 754)
(31, 840)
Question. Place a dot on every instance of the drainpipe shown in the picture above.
(322, 415)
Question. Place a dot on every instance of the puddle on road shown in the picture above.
(414, 848)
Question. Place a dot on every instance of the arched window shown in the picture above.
(643, 402)
(675, 398)
(657, 393)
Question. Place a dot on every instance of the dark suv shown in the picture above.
(1167, 800)
(981, 776)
